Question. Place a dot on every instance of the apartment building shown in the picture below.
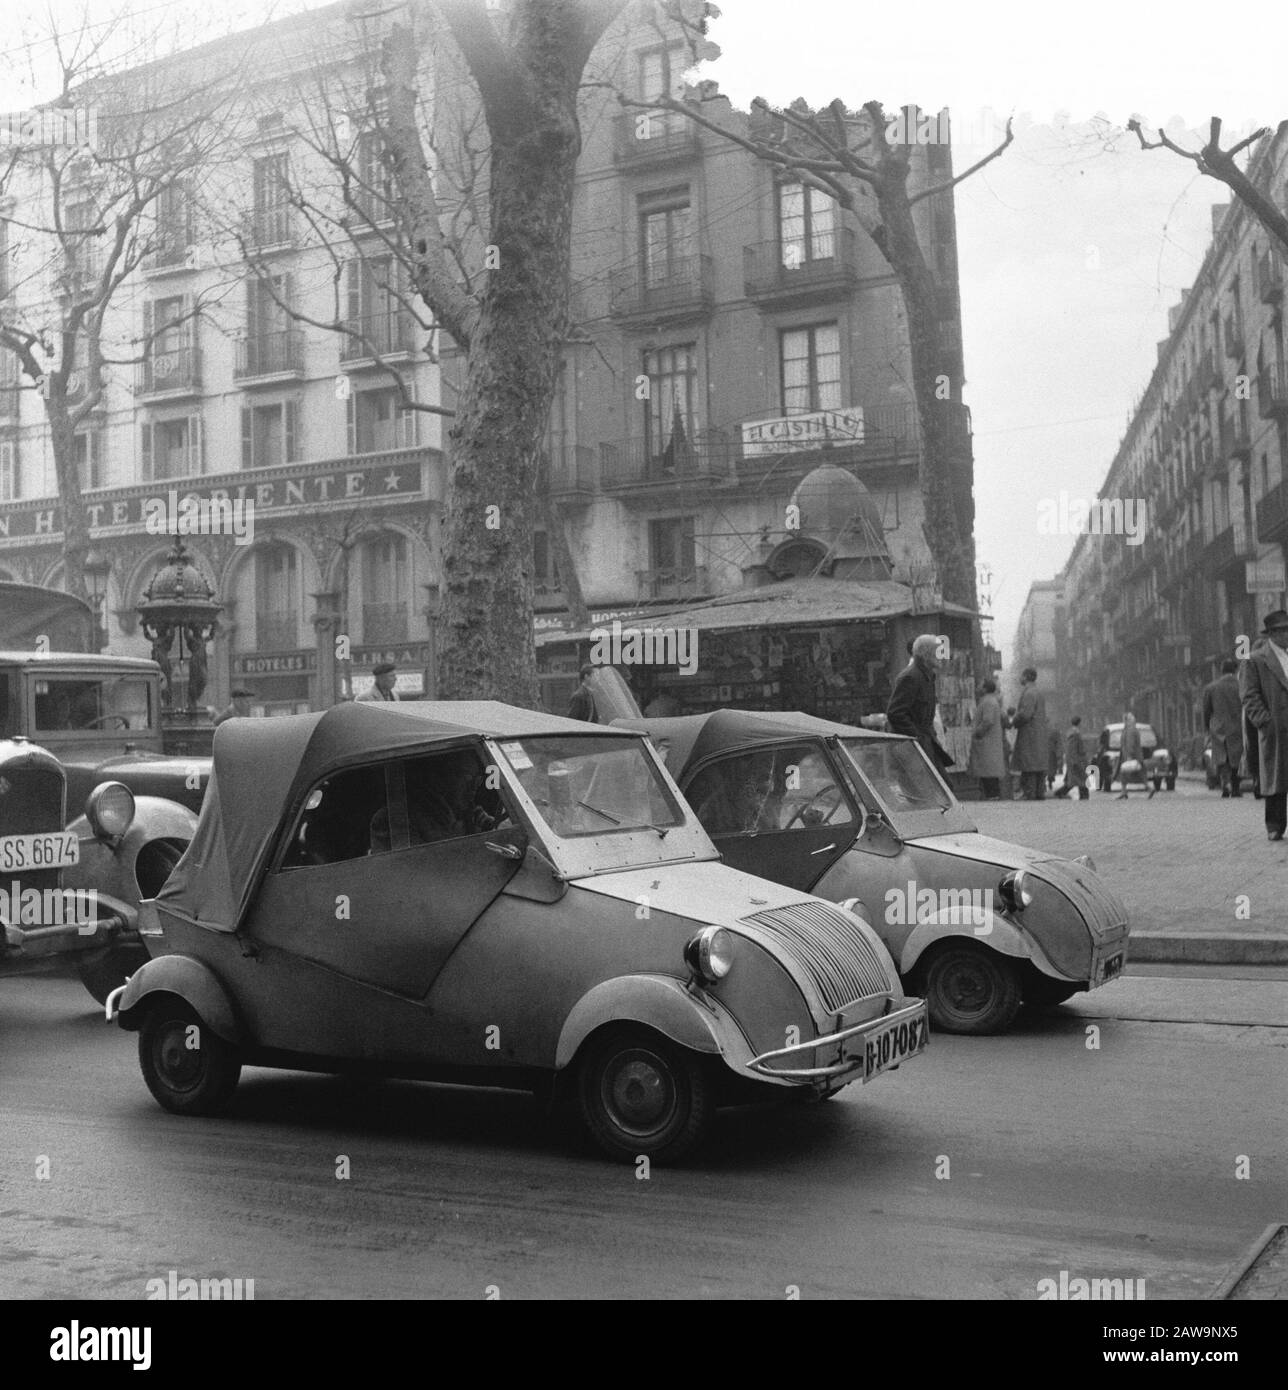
(1036, 645)
(1149, 617)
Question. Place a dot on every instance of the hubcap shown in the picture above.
(966, 988)
(639, 1091)
(180, 1066)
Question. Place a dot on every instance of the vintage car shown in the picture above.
(863, 818)
(69, 892)
(1160, 763)
(473, 893)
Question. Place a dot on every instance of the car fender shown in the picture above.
(155, 818)
(112, 868)
(660, 1002)
(986, 928)
(196, 984)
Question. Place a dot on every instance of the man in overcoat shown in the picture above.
(1223, 719)
(988, 743)
(912, 701)
(1031, 738)
(1263, 684)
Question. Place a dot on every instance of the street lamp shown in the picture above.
(97, 568)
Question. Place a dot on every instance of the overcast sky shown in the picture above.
(1072, 246)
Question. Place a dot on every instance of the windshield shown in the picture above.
(899, 773)
(110, 703)
(592, 786)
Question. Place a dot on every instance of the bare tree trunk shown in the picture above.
(76, 537)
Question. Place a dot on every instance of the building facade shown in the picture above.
(1036, 646)
(1155, 600)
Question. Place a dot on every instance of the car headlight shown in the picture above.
(1014, 890)
(710, 954)
(109, 808)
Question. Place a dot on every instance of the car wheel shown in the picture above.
(188, 1068)
(643, 1096)
(970, 990)
(1044, 992)
(101, 971)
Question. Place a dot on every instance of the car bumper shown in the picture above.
(860, 1051)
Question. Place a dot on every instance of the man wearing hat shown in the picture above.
(1263, 686)
(386, 674)
(239, 709)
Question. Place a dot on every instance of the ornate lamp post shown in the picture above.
(180, 603)
(97, 568)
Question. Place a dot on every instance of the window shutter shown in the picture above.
(146, 439)
(248, 451)
(353, 289)
(351, 422)
(196, 446)
(8, 469)
(292, 427)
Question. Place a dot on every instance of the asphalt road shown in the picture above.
(1116, 1162)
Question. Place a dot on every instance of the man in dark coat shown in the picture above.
(1031, 744)
(1223, 719)
(1075, 760)
(1263, 684)
(582, 704)
(239, 709)
(911, 709)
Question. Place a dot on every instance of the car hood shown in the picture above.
(146, 774)
(707, 891)
(984, 849)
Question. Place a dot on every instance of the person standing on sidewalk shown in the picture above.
(1223, 719)
(988, 743)
(1075, 761)
(1131, 757)
(1263, 684)
(911, 709)
(1031, 738)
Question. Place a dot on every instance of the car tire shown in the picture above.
(186, 1079)
(1042, 992)
(102, 971)
(970, 990)
(642, 1096)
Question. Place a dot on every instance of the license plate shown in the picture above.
(57, 850)
(1113, 966)
(892, 1044)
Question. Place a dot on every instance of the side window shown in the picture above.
(346, 817)
(10, 710)
(773, 789)
(447, 797)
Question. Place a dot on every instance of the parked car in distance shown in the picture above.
(863, 818)
(70, 890)
(474, 893)
(1160, 763)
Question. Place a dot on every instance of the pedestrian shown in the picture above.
(1054, 750)
(582, 704)
(1263, 684)
(238, 709)
(1223, 719)
(988, 743)
(1031, 744)
(1075, 761)
(1131, 758)
(386, 675)
(911, 709)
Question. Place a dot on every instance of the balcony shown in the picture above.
(653, 137)
(269, 357)
(1270, 278)
(383, 623)
(170, 373)
(269, 227)
(1272, 515)
(1227, 550)
(572, 473)
(651, 296)
(635, 465)
(170, 254)
(374, 337)
(674, 584)
(1236, 439)
(783, 276)
(1272, 392)
(277, 631)
(1233, 337)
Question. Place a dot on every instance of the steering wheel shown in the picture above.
(122, 721)
(818, 795)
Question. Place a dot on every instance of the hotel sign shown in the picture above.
(275, 664)
(348, 482)
(814, 431)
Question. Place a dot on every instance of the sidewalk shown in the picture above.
(1201, 882)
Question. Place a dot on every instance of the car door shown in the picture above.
(780, 811)
(378, 887)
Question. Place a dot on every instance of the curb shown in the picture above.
(1230, 948)
(1244, 1265)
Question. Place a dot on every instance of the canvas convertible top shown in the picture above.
(689, 739)
(262, 767)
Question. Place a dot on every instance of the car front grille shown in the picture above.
(829, 947)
